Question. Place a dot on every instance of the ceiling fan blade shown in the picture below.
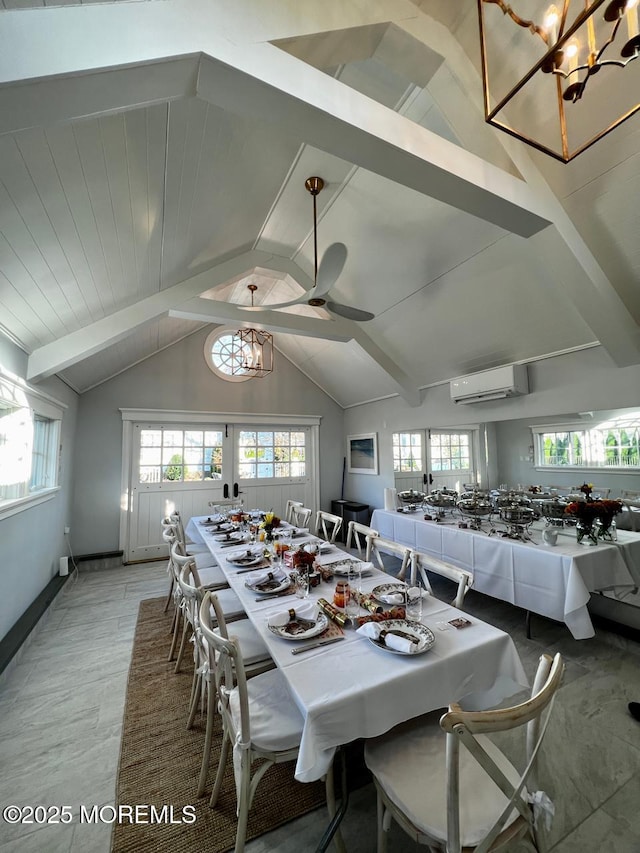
(349, 312)
(330, 267)
(301, 300)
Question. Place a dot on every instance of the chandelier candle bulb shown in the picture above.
(632, 18)
(551, 26)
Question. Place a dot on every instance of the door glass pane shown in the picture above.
(193, 438)
(172, 438)
(150, 437)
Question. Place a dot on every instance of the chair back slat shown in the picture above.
(422, 563)
(378, 545)
(289, 506)
(300, 516)
(462, 729)
(357, 536)
(328, 525)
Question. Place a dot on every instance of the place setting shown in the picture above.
(303, 622)
(246, 559)
(268, 582)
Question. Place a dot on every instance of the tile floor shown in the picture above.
(61, 708)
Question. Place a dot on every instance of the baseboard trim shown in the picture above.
(18, 634)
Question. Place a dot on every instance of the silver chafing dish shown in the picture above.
(517, 518)
(442, 500)
(475, 506)
(553, 511)
(510, 499)
(411, 498)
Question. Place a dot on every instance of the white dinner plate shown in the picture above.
(245, 560)
(281, 630)
(278, 586)
(424, 635)
(228, 537)
(342, 570)
(385, 589)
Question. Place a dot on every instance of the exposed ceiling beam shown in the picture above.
(406, 387)
(72, 348)
(577, 270)
(255, 80)
(213, 311)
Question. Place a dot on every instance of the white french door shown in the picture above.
(428, 459)
(188, 465)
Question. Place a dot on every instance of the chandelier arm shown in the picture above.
(521, 22)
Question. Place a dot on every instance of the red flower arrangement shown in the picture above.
(588, 511)
(586, 489)
(303, 559)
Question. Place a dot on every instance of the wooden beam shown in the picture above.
(72, 348)
(406, 387)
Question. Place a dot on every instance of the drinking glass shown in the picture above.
(352, 607)
(301, 581)
(413, 604)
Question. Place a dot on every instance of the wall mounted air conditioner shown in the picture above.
(496, 384)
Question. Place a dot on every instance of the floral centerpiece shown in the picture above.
(303, 560)
(269, 523)
(587, 489)
(587, 512)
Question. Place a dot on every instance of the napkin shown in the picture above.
(309, 610)
(262, 575)
(392, 598)
(392, 641)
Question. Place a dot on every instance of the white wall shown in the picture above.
(33, 540)
(178, 378)
(565, 385)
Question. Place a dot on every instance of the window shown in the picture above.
(29, 439)
(613, 443)
(450, 451)
(270, 454)
(180, 455)
(223, 355)
(407, 452)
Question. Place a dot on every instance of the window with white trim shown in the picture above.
(450, 451)
(29, 440)
(271, 454)
(407, 452)
(180, 455)
(611, 444)
(223, 354)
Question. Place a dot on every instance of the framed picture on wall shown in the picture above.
(362, 453)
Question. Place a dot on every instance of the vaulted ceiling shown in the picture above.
(152, 164)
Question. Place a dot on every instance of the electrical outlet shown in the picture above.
(67, 530)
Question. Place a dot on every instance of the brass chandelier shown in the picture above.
(252, 350)
(559, 77)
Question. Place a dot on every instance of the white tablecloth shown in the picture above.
(553, 581)
(352, 689)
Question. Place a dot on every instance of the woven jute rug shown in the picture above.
(160, 762)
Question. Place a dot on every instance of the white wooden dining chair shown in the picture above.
(205, 556)
(423, 563)
(255, 656)
(211, 577)
(378, 546)
(629, 495)
(451, 788)
(287, 510)
(357, 537)
(328, 525)
(260, 721)
(300, 516)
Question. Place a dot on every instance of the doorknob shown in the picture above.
(225, 490)
(235, 490)
(430, 479)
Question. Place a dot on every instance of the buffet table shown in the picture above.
(353, 689)
(554, 581)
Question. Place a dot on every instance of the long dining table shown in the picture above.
(353, 689)
(554, 581)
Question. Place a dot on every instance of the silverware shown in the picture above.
(266, 596)
(250, 569)
(316, 645)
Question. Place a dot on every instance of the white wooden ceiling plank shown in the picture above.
(23, 265)
(177, 135)
(118, 167)
(145, 137)
(196, 129)
(57, 238)
(90, 147)
(157, 126)
(89, 261)
(16, 301)
(23, 4)
(61, 353)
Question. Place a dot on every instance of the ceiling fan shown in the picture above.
(327, 272)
